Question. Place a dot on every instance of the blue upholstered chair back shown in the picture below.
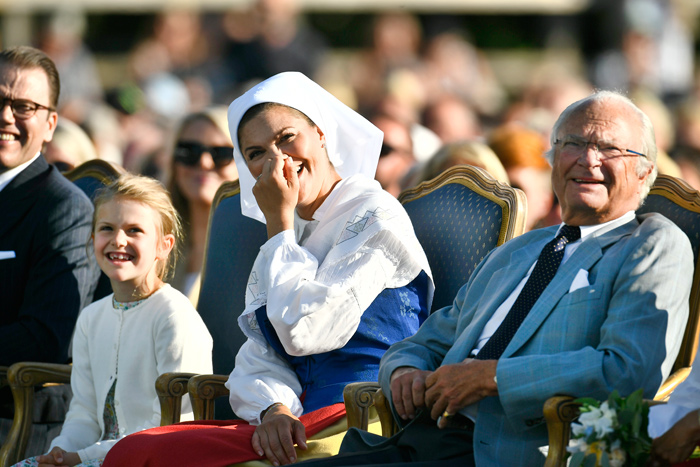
(90, 176)
(233, 242)
(458, 218)
(676, 200)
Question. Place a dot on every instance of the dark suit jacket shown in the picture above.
(45, 220)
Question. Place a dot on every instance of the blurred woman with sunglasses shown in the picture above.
(202, 160)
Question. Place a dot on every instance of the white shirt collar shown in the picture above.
(7, 177)
(587, 230)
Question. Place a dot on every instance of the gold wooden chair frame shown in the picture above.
(170, 388)
(23, 377)
(204, 390)
(682, 194)
(560, 411)
(362, 396)
(511, 200)
(99, 169)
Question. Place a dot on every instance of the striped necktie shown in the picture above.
(545, 269)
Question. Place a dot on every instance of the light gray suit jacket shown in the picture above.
(607, 335)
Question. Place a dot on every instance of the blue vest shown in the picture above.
(394, 315)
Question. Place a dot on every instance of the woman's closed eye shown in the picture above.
(253, 154)
(286, 137)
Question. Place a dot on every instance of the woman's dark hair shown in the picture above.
(257, 109)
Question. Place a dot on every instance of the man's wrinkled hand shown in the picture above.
(450, 388)
(408, 391)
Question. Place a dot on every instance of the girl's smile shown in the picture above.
(128, 246)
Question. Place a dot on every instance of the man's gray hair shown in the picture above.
(648, 139)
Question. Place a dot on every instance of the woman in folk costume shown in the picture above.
(341, 277)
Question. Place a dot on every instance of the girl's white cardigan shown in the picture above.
(162, 334)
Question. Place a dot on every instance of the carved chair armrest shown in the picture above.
(360, 398)
(676, 378)
(204, 390)
(559, 412)
(22, 378)
(171, 387)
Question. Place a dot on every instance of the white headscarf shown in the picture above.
(352, 142)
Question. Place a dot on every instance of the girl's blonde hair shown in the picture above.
(153, 194)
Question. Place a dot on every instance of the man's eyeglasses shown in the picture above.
(188, 153)
(576, 146)
(23, 108)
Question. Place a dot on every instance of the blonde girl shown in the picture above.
(125, 340)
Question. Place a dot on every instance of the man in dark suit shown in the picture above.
(593, 305)
(46, 277)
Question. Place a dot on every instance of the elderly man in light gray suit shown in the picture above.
(608, 313)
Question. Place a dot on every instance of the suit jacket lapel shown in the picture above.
(501, 284)
(585, 256)
(22, 185)
(20, 193)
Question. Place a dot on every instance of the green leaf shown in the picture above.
(590, 460)
(587, 401)
(576, 459)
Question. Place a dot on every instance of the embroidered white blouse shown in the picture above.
(316, 282)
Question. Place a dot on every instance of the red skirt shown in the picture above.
(203, 443)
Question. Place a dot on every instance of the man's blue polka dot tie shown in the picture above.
(545, 269)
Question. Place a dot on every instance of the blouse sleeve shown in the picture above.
(316, 310)
(260, 378)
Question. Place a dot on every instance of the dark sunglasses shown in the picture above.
(189, 154)
(386, 149)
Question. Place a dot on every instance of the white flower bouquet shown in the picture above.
(612, 433)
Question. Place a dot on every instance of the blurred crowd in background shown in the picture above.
(439, 99)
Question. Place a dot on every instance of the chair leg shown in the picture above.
(23, 377)
(15, 445)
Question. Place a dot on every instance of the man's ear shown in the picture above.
(650, 169)
(52, 121)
